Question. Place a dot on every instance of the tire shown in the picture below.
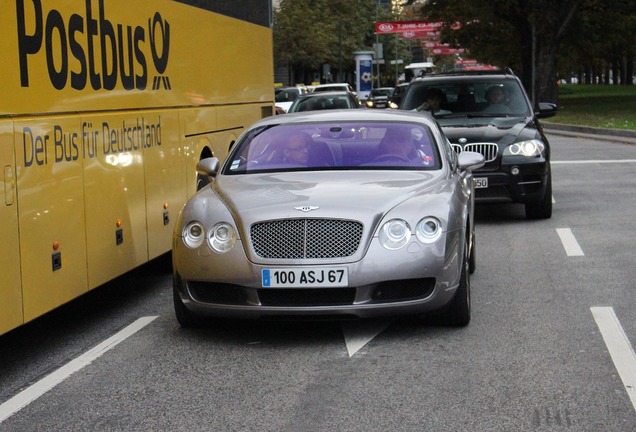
(472, 259)
(541, 209)
(202, 181)
(185, 317)
(458, 312)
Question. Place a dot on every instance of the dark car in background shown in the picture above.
(380, 98)
(324, 101)
(490, 113)
(398, 92)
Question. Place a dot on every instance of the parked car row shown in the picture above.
(379, 98)
(286, 96)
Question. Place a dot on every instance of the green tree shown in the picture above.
(522, 34)
(308, 34)
(531, 36)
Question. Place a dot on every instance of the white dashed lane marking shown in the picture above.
(619, 348)
(31, 393)
(570, 244)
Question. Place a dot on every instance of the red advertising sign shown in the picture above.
(446, 51)
(387, 27)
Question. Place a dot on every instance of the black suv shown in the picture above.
(490, 113)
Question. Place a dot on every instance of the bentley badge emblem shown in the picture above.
(306, 208)
(463, 140)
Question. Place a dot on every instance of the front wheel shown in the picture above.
(472, 260)
(184, 316)
(458, 313)
(541, 209)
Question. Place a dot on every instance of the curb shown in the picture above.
(615, 135)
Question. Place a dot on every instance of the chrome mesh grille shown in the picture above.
(306, 238)
(489, 150)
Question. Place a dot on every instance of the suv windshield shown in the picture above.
(472, 97)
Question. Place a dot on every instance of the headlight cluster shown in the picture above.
(525, 148)
(221, 237)
(396, 233)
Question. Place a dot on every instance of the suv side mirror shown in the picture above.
(546, 110)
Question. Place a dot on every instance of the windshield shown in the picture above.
(335, 146)
(319, 102)
(286, 95)
(381, 92)
(488, 98)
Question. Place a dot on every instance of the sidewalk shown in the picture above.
(615, 135)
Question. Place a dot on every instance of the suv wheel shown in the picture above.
(541, 209)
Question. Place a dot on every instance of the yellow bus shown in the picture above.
(105, 108)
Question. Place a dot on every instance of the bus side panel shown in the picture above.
(182, 56)
(198, 125)
(51, 212)
(10, 284)
(165, 180)
(116, 236)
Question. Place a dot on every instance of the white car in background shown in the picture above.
(285, 96)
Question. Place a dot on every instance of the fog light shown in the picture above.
(514, 171)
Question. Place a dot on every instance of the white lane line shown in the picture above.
(359, 333)
(575, 162)
(31, 393)
(570, 244)
(619, 348)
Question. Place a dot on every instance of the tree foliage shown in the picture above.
(531, 35)
(308, 34)
(538, 39)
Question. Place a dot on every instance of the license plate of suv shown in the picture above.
(481, 182)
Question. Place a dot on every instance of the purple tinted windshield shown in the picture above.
(336, 146)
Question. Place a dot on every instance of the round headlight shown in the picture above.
(428, 230)
(222, 237)
(193, 235)
(525, 148)
(394, 234)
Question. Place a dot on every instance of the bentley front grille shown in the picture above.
(306, 238)
(489, 150)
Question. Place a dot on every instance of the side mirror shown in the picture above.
(469, 161)
(546, 110)
(208, 167)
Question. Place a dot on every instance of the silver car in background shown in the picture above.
(330, 214)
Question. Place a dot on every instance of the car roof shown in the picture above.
(461, 75)
(324, 94)
(349, 115)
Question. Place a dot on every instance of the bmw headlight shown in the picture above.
(428, 230)
(192, 235)
(222, 237)
(525, 148)
(394, 234)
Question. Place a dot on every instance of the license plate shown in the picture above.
(481, 182)
(304, 277)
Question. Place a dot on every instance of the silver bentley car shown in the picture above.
(330, 214)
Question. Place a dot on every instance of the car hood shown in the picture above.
(365, 196)
(500, 130)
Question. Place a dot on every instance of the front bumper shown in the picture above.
(415, 279)
(517, 180)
